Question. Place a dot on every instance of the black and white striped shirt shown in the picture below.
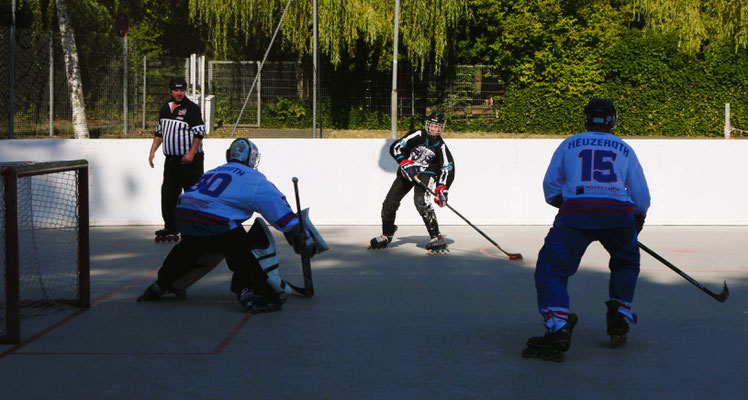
(180, 127)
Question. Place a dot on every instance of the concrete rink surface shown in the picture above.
(394, 324)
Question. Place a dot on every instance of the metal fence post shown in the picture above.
(259, 94)
(144, 89)
(51, 85)
(124, 81)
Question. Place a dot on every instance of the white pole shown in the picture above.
(124, 81)
(259, 94)
(728, 128)
(314, 71)
(191, 78)
(393, 105)
(202, 85)
(51, 85)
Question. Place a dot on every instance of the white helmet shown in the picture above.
(242, 150)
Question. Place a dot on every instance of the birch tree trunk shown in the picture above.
(72, 70)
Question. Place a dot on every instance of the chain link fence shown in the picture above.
(281, 97)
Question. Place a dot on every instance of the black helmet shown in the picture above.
(435, 118)
(599, 113)
(177, 82)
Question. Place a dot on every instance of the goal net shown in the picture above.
(44, 246)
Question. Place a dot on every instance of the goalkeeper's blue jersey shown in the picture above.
(598, 181)
(227, 196)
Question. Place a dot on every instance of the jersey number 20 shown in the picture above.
(598, 165)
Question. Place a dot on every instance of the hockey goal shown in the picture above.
(45, 244)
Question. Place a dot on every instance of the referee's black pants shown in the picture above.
(177, 177)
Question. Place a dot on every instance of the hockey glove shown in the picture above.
(408, 169)
(639, 222)
(556, 201)
(441, 196)
(296, 238)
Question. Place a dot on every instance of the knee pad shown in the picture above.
(423, 206)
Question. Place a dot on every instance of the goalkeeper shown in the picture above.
(210, 216)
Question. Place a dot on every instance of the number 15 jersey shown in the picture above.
(598, 181)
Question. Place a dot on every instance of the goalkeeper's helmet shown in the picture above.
(437, 120)
(243, 151)
(600, 113)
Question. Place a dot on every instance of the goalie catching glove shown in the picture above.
(441, 195)
(408, 169)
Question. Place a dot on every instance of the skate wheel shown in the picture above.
(556, 356)
(545, 355)
(439, 252)
(617, 341)
(529, 353)
(158, 240)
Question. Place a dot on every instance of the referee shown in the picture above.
(180, 128)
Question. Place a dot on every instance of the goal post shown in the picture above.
(45, 246)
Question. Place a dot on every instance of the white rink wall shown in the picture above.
(343, 181)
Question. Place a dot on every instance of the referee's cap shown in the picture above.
(177, 82)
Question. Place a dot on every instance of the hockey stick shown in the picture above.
(719, 297)
(297, 289)
(512, 256)
(306, 265)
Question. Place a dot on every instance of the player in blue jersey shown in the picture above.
(596, 181)
(421, 153)
(210, 215)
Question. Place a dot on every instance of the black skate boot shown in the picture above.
(256, 304)
(437, 246)
(181, 294)
(617, 325)
(153, 292)
(166, 235)
(553, 345)
(379, 242)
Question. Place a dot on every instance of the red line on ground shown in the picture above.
(225, 342)
(219, 348)
(14, 349)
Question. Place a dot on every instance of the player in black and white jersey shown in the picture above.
(180, 129)
(424, 154)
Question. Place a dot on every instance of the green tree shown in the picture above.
(698, 22)
(425, 26)
(47, 13)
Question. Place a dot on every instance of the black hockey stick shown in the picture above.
(306, 265)
(512, 256)
(719, 297)
(297, 289)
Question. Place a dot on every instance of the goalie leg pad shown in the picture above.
(264, 250)
(205, 264)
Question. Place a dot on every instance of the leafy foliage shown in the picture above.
(425, 26)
